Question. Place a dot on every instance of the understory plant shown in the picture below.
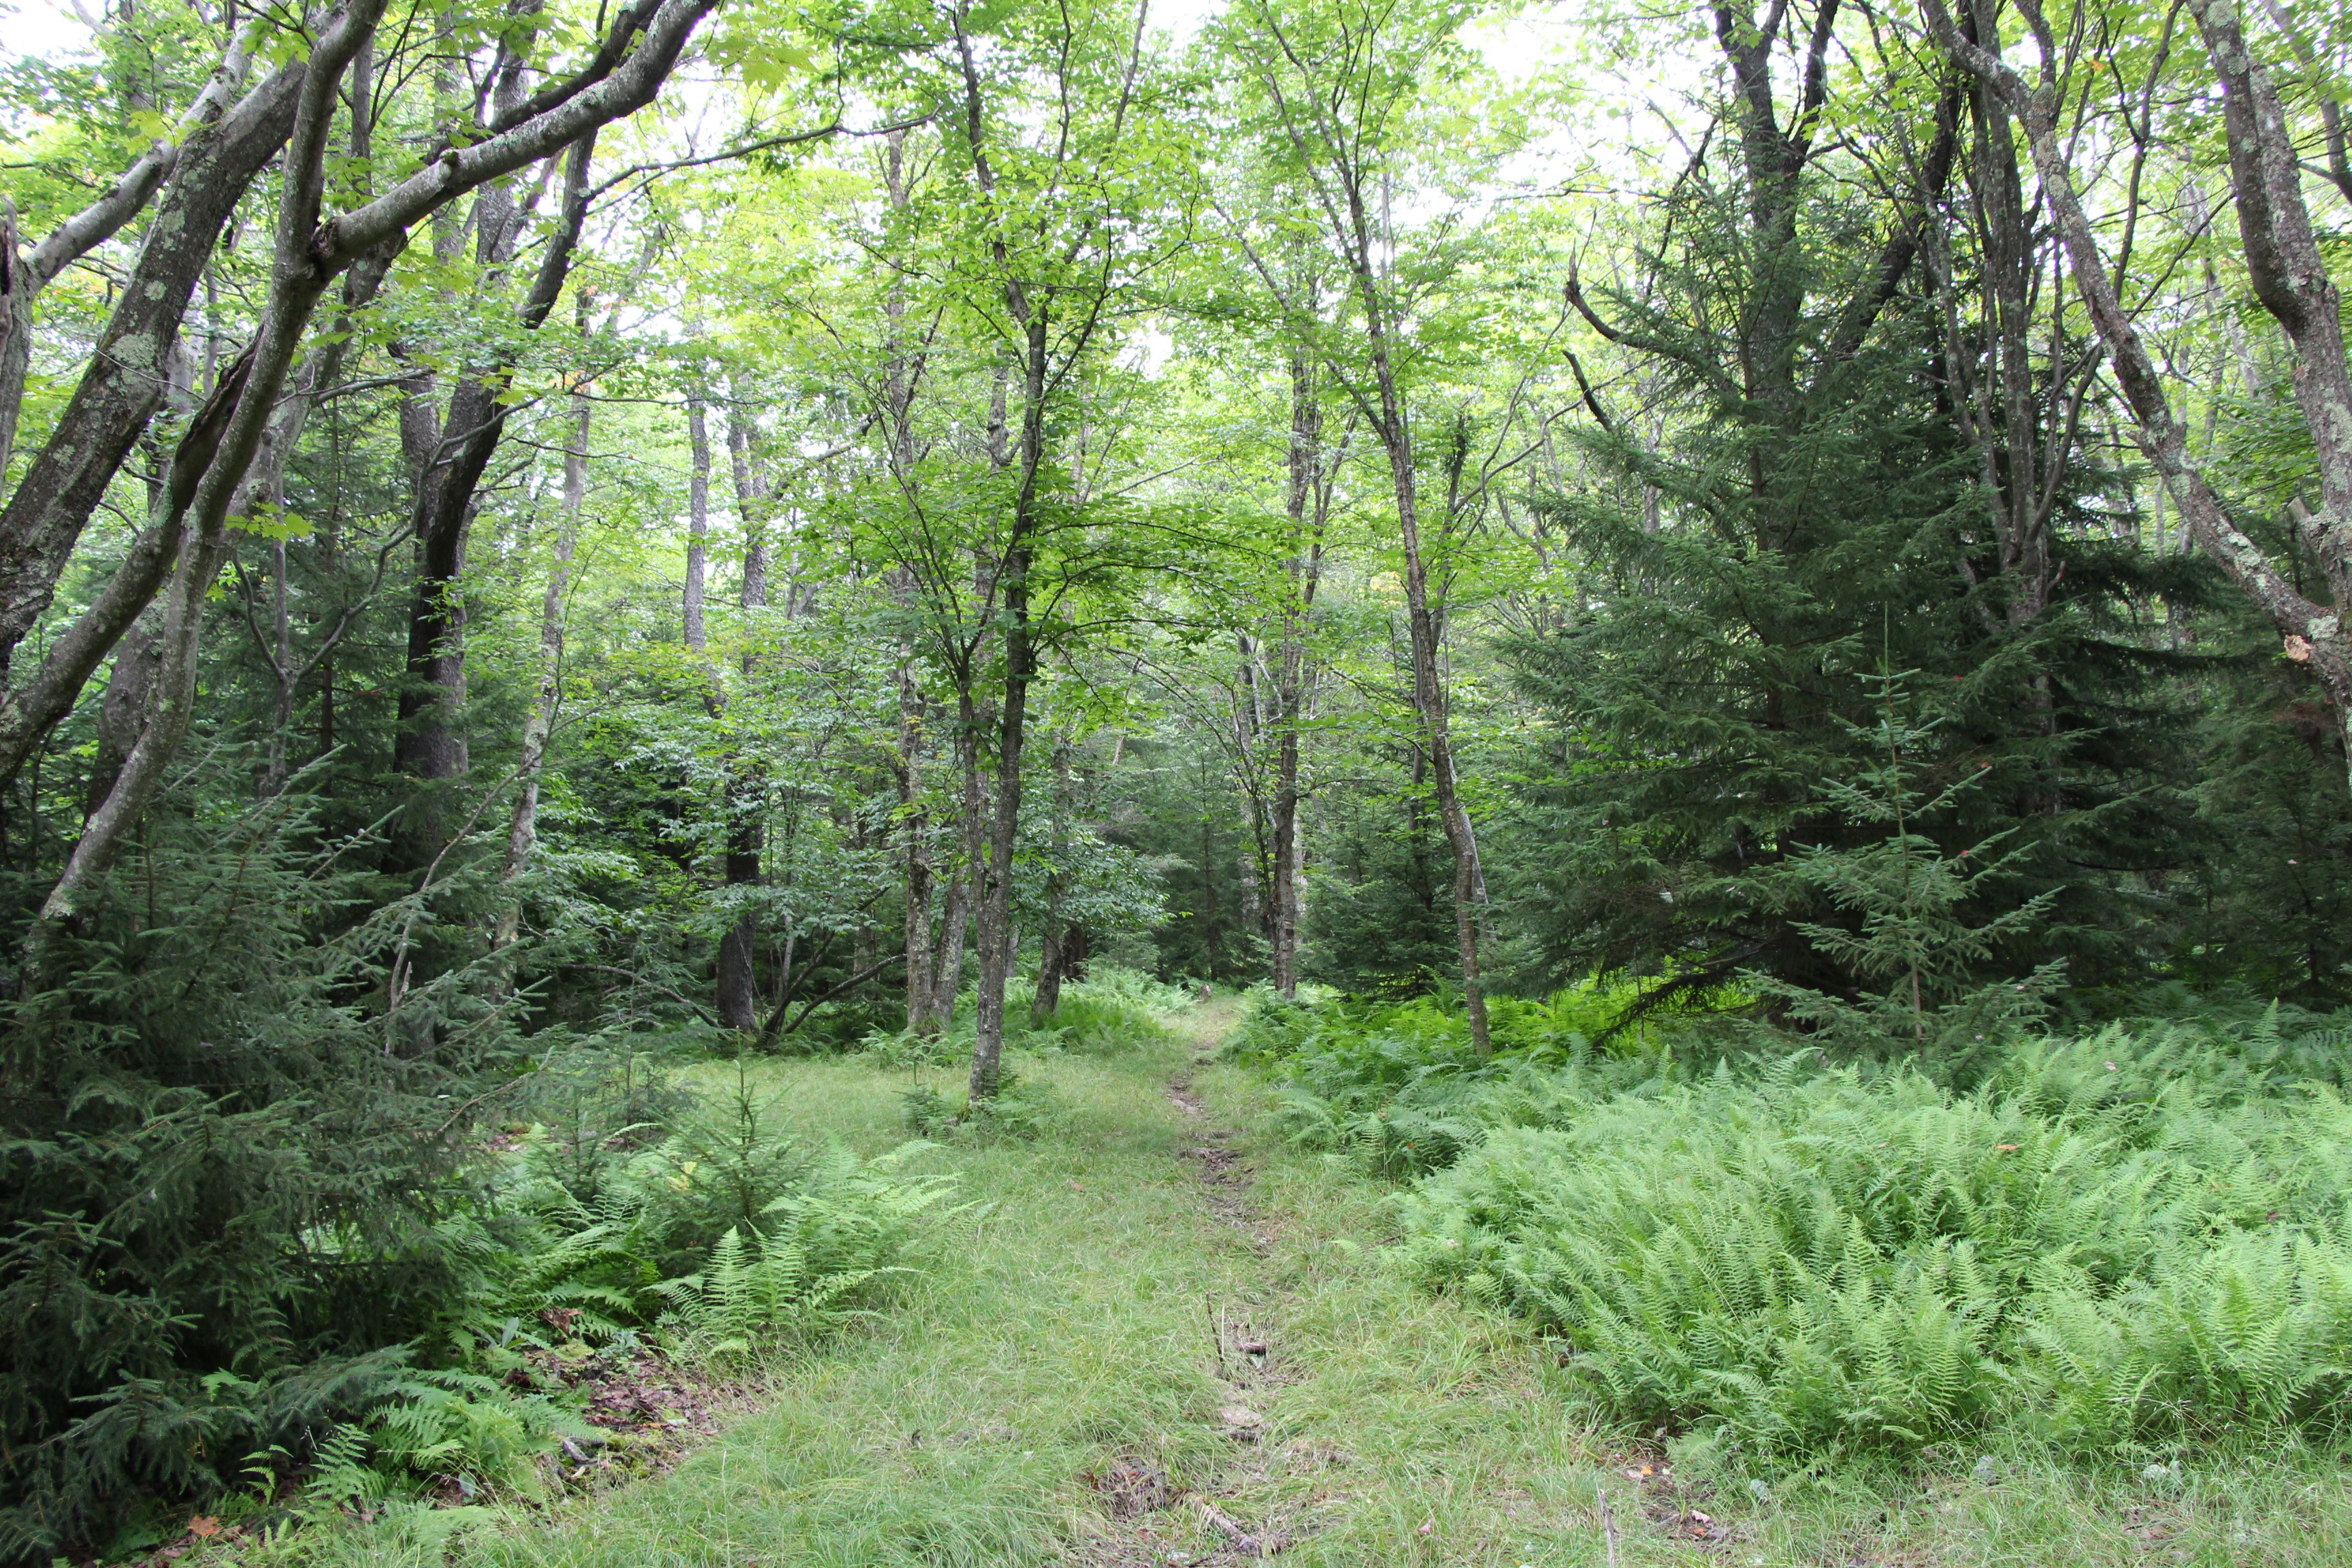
(2117, 1244)
(729, 1232)
(1399, 1089)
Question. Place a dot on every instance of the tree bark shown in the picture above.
(522, 824)
(738, 977)
(430, 743)
(1307, 505)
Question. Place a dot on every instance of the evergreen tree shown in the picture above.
(1745, 576)
(1916, 928)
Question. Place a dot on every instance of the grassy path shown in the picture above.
(1168, 1341)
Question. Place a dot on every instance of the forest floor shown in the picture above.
(1168, 1340)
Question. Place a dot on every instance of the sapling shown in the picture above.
(1921, 929)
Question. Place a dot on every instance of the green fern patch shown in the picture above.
(2116, 1242)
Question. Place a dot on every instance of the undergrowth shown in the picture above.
(2118, 1245)
(631, 1225)
(1112, 1010)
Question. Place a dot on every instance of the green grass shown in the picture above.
(1066, 1329)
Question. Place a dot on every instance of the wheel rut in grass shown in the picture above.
(1224, 1174)
(1247, 1366)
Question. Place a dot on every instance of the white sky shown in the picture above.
(45, 27)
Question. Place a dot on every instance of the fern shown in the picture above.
(2114, 1245)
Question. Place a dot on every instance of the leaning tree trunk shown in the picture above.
(310, 251)
(2289, 274)
(124, 383)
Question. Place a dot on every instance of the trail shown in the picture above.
(1247, 1362)
(1164, 1341)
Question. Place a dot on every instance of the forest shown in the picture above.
(1054, 781)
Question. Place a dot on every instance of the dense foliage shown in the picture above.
(954, 525)
(2113, 1244)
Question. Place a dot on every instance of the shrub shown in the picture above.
(1113, 1009)
(730, 1190)
(222, 1177)
(1022, 1110)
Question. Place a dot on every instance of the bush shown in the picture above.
(1113, 1009)
(731, 1205)
(1022, 1111)
(2132, 1239)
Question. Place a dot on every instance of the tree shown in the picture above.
(2285, 270)
(1340, 86)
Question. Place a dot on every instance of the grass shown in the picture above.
(1067, 1330)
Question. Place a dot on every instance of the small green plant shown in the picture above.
(1398, 1090)
(470, 1428)
(1022, 1110)
(1916, 930)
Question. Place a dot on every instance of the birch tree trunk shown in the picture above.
(738, 978)
(1307, 504)
(523, 825)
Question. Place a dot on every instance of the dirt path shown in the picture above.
(1238, 1326)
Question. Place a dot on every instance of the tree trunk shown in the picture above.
(995, 913)
(123, 711)
(523, 826)
(309, 250)
(1420, 627)
(1048, 994)
(955, 916)
(1308, 506)
(738, 978)
(123, 384)
(914, 824)
(924, 1012)
(2289, 274)
(698, 516)
(430, 743)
